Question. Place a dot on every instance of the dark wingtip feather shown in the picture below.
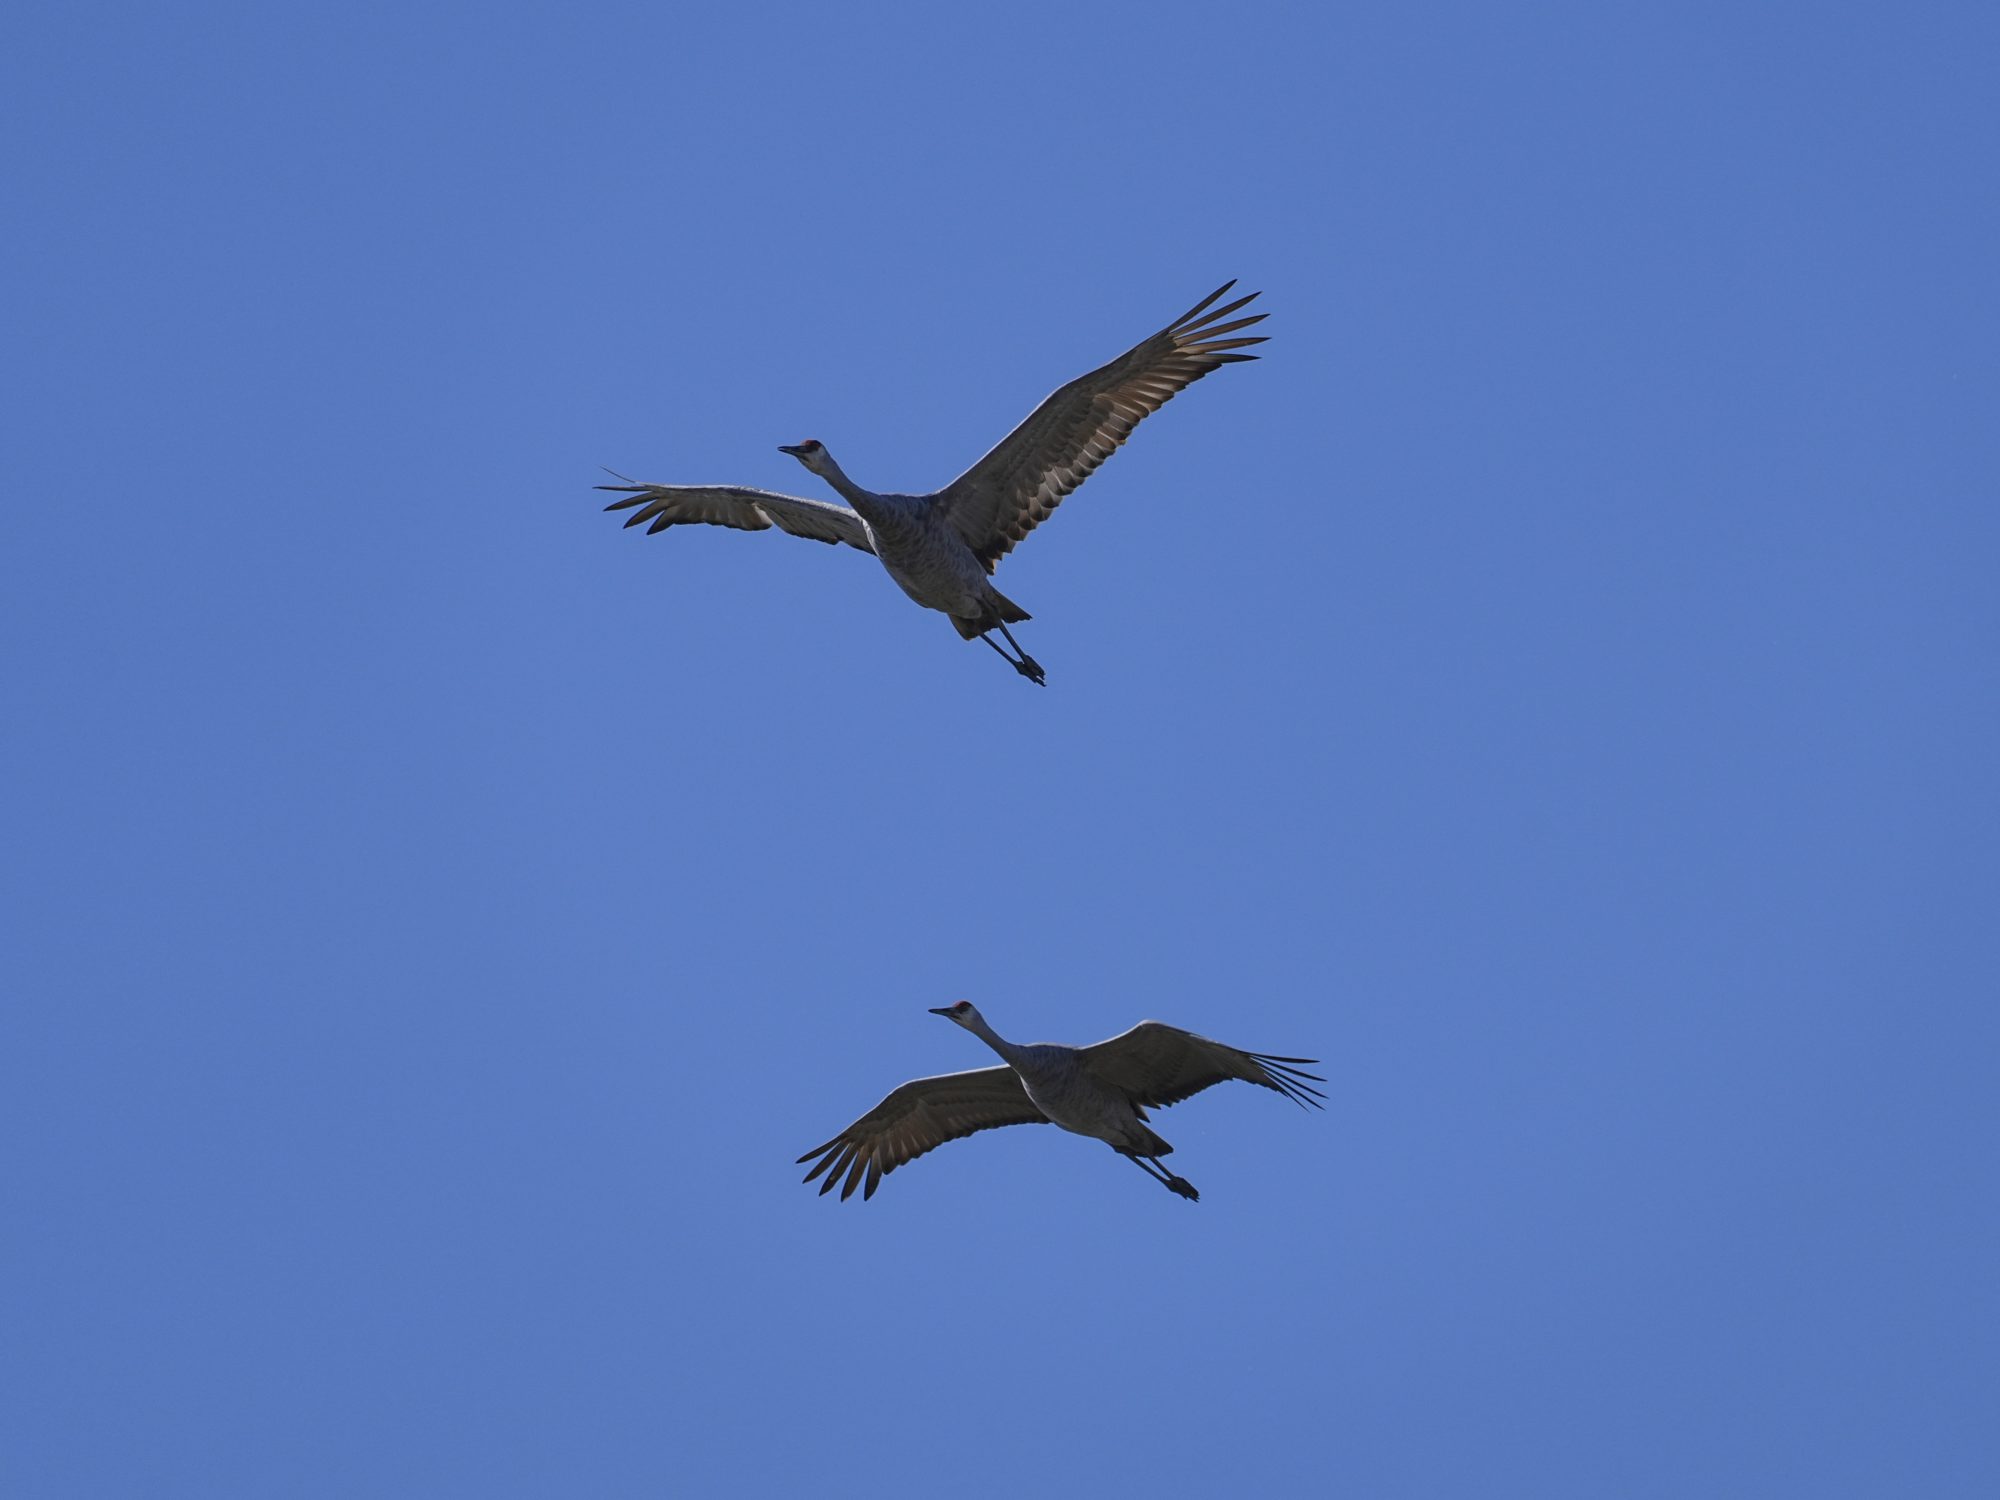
(1202, 324)
(1209, 333)
(1301, 1094)
(1203, 304)
(853, 1176)
(1289, 1080)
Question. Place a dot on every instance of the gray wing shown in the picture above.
(1156, 1065)
(917, 1117)
(745, 509)
(1017, 486)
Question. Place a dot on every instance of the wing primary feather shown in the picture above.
(1177, 322)
(1188, 324)
(1290, 1081)
(1218, 330)
(854, 1171)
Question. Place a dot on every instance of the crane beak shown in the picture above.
(940, 1010)
(795, 452)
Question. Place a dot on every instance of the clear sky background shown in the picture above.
(1556, 686)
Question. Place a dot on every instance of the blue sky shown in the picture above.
(1556, 687)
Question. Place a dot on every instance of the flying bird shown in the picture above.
(1102, 1091)
(943, 547)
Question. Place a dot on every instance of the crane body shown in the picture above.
(942, 548)
(1102, 1091)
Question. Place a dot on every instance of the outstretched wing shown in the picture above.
(1157, 1065)
(917, 1117)
(1016, 487)
(744, 509)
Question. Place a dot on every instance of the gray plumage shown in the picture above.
(942, 548)
(1101, 1091)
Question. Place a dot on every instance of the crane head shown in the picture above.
(963, 1013)
(811, 453)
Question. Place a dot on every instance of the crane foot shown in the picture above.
(1185, 1188)
(1023, 663)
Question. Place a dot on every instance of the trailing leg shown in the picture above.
(1026, 666)
(1150, 1165)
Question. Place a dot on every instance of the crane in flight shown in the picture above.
(1102, 1091)
(942, 548)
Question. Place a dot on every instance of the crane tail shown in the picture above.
(999, 610)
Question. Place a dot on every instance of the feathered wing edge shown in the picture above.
(739, 508)
(1289, 1079)
(1020, 482)
(916, 1119)
(1157, 1065)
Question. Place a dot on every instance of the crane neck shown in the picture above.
(978, 1027)
(834, 475)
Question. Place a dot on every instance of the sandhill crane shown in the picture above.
(1102, 1091)
(942, 547)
